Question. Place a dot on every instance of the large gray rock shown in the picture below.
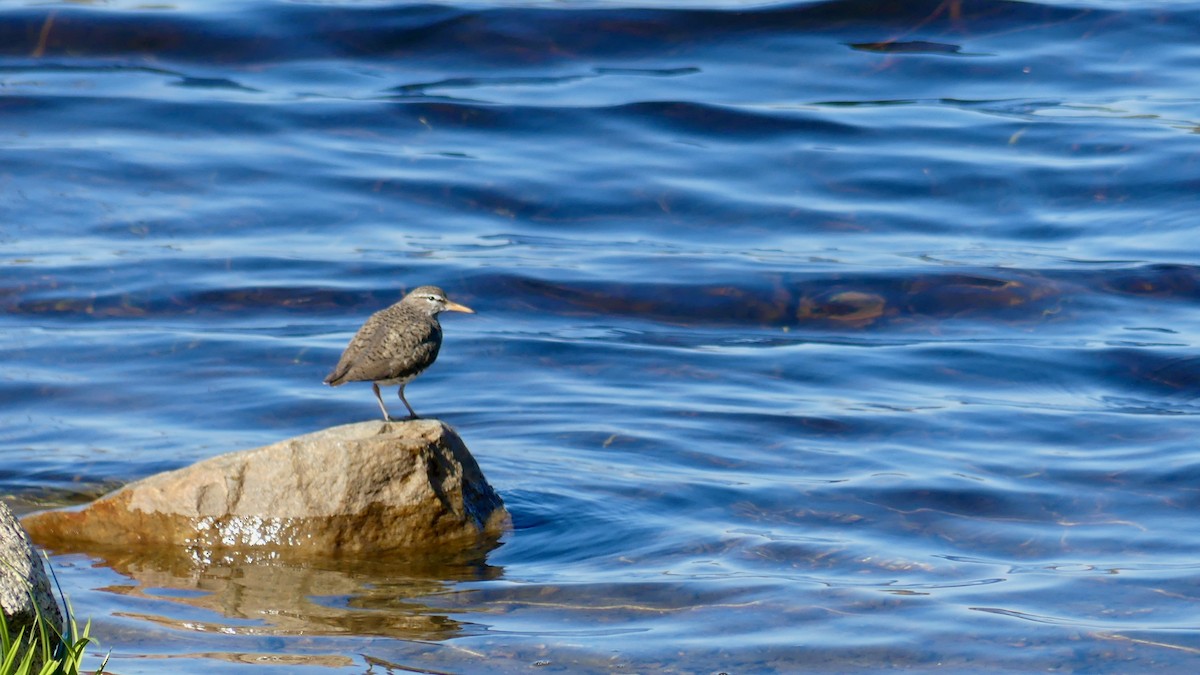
(359, 488)
(24, 588)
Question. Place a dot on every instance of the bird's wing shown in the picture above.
(417, 352)
(354, 364)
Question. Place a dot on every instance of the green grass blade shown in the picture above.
(5, 638)
(10, 656)
(44, 636)
(27, 662)
(52, 667)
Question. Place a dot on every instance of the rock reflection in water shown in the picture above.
(301, 597)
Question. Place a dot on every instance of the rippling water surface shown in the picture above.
(827, 336)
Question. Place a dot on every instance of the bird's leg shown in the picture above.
(412, 414)
(386, 416)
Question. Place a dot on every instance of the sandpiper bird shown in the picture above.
(396, 344)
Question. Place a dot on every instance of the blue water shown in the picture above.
(829, 336)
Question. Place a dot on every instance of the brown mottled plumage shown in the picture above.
(396, 344)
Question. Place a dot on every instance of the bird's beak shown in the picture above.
(455, 307)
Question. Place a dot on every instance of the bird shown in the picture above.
(396, 344)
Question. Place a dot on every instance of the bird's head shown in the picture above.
(433, 300)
